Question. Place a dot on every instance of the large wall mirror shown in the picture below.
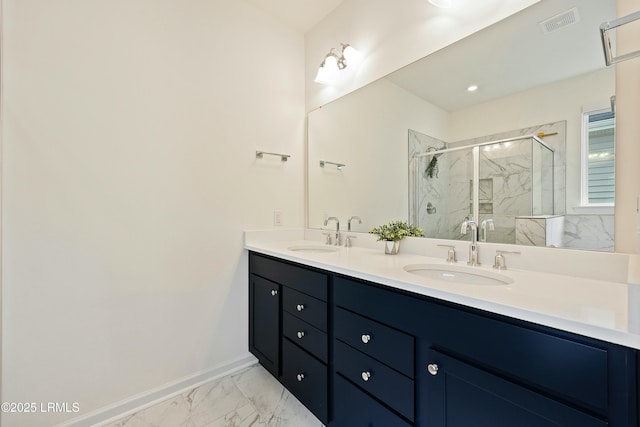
(528, 154)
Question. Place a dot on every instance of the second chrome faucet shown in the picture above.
(337, 236)
(473, 246)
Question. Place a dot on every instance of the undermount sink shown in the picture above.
(317, 249)
(458, 274)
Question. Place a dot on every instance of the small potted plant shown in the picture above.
(392, 232)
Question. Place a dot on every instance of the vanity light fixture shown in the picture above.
(337, 165)
(444, 4)
(472, 88)
(337, 60)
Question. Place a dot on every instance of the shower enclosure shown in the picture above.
(493, 183)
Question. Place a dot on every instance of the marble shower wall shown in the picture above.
(440, 202)
(505, 189)
(591, 232)
(507, 186)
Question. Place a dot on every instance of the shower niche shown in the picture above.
(505, 184)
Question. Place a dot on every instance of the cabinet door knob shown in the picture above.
(366, 375)
(300, 334)
(274, 292)
(365, 338)
(300, 377)
(300, 307)
(432, 368)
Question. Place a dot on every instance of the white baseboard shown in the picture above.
(114, 412)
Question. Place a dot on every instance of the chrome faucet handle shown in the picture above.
(465, 225)
(451, 253)
(347, 241)
(499, 261)
(328, 240)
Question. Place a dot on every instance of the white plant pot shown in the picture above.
(391, 248)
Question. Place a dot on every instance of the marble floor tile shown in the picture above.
(249, 398)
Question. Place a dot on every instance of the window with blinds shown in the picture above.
(599, 159)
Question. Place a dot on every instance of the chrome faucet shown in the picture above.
(349, 222)
(473, 246)
(484, 225)
(326, 221)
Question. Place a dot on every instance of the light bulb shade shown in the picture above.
(352, 56)
(323, 76)
(328, 70)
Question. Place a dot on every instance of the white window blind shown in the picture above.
(600, 158)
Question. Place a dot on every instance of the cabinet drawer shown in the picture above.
(306, 378)
(354, 408)
(310, 282)
(305, 307)
(388, 345)
(305, 335)
(388, 385)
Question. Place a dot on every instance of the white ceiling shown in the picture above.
(511, 56)
(301, 15)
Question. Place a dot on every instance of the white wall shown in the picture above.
(628, 136)
(129, 137)
(392, 34)
(368, 131)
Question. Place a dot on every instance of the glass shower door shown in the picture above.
(443, 190)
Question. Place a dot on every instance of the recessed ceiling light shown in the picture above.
(472, 88)
(445, 4)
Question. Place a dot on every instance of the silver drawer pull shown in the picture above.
(365, 338)
(300, 334)
(300, 307)
(274, 292)
(300, 377)
(432, 368)
(366, 375)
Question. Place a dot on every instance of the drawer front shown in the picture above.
(305, 307)
(305, 335)
(388, 345)
(305, 377)
(354, 408)
(308, 281)
(388, 385)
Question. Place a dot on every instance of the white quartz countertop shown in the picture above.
(605, 310)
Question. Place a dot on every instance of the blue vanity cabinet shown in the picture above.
(288, 327)
(473, 368)
(361, 354)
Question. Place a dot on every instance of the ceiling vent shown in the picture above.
(560, 20)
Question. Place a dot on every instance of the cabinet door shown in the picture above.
(460, 395)
(264, 322)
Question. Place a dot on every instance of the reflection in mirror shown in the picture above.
(506, 185)
(531, 81)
